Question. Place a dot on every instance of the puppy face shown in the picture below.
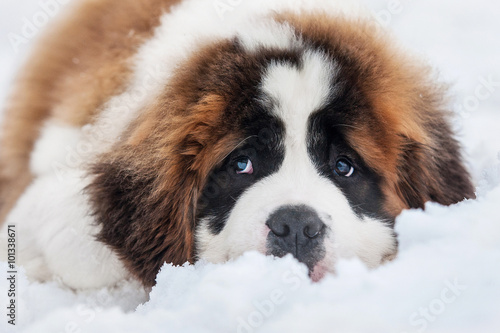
(307, 139)
(294, 184)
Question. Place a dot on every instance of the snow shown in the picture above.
(445, 279)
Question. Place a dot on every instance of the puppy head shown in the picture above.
(309, 142)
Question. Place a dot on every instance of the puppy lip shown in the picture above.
(318, 272)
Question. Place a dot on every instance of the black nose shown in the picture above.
(297, 230)
(297, 222)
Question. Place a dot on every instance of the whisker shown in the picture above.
(348, 126)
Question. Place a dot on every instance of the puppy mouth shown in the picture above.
(318, 272)
(313, 259)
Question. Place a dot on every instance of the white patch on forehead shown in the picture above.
(299, 91)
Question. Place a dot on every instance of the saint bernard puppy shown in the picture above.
(148, 131)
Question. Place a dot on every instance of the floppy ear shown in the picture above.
(433, 173)
(146, 224)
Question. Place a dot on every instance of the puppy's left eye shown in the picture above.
(244, 166)
(344, 168)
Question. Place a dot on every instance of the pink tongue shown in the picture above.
(318, 273)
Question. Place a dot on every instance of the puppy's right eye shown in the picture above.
(344, 168)
(243, 165)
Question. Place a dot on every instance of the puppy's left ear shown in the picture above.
(453, 182)
(433, 172)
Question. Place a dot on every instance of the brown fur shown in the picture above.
(80, 62)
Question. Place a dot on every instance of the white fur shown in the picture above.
(56, 236)
(53, 147)
(297, 93)
(56, 233)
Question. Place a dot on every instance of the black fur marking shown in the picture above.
(263, 147)
(327, 144)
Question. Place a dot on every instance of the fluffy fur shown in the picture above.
(126, 131)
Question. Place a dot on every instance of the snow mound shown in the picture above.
(445, 279)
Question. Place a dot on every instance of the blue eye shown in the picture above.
(344, 168)
(244, 166)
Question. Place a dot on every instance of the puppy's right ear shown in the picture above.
(144, 193)
(147, 225)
